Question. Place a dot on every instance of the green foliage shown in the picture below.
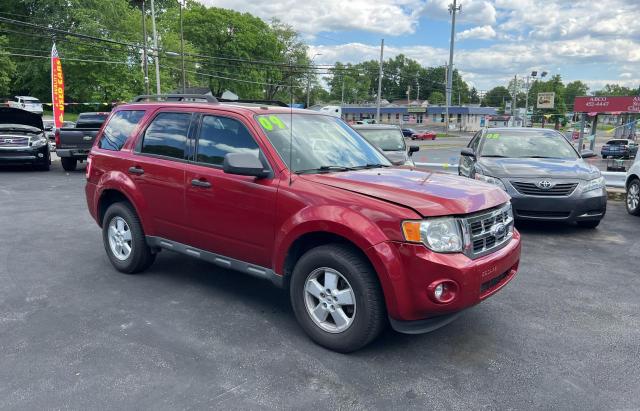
(7, 68)
(617, 90)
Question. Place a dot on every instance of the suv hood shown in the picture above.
(538, 167)
(10, 115)
(428, 193)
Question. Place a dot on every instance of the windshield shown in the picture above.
(309, 142)
(526, 144)
(31, 101)
(389, 139)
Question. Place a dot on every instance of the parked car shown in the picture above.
(22, 139)
(28, 103)
(73, 143)
(408, 132)
(357, 243)
(633, 188)
(619, 148)
(424, 135)
(543, 173)
(390, 140)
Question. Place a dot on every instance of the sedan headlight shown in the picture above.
(442, 235)
(595, 184)
(490, 180)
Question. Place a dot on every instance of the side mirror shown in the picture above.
(413, 149)
(467, 152)
(245, 164)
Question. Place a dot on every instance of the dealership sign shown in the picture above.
(546, 100)
(629, 104)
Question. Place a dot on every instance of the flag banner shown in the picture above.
(57, 88)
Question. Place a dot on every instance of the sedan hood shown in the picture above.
(10, 115)
(428, 193)
(537, 167)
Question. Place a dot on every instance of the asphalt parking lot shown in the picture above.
(76, 334)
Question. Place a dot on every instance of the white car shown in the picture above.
(633, 188)
(31, 104)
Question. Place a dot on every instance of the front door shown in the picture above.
(229, 215)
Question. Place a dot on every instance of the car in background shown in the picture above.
(74, 143)
(28, 103)
(633, 188)
(619, 148)
(543, 173)
(22, 139)
(408, 132)
(389, 139)
(424, 135)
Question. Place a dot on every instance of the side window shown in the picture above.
(119, 129)
(167, 135)
(221, 135)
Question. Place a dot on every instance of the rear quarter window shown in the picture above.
(119, 129)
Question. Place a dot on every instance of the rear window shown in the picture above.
(617, 142)
(119, 129)
(167, 135)
(91, 120)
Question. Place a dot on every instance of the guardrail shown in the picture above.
(613, 179)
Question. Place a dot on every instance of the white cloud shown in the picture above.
(391, 17)
(480, 32)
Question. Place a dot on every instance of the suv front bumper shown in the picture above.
(411, 268)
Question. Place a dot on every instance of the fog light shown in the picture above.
(442, 291)
(438, 291)
(40, 155)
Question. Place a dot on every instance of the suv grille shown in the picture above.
(487, 232)
(531, 189)
(14, 141)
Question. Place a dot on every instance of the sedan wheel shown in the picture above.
(633, 198)
(120, 238)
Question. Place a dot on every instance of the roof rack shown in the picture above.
(251, 101)
(175, 97)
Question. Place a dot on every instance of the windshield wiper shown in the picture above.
(323, 169)
(493, 155)
(367, 166)
(537, 157)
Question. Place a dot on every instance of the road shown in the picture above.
(76, 334)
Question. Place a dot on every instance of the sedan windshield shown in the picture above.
(390, 139)
(319, 143)
(526, 144)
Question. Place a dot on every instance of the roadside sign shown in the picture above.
(546, 100)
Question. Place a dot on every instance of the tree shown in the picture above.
(7, 69)
(573, 90)
(437, 97)
(496, 97)
(474, 98)
(616, 90)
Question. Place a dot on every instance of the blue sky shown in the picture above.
(596, 42)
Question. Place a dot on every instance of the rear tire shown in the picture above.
(358, 314)
(632, 200)
(69, 163)
(589, 224)
(124, 240)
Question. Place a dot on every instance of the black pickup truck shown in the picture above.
(74, 143)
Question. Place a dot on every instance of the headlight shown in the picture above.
(39, 142)
(595, 184)
(438, 234)
(490, 180)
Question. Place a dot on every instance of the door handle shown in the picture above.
(136, 170)
(200, 183)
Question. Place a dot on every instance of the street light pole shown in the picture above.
(145, 62)
(379, 82)
(184, 81)
(453, 9)
(155, 47)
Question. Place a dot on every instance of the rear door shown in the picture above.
(230, 215)
(158, 169)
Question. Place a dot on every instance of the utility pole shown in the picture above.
(155, 47)
(446, 106)
(145, 62)
(453, 9)
(184, 81)
(342, 96)
(379, 82)
(515, 94)
(418, 88)
(408, 96)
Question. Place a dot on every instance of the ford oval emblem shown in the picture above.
(498, 230)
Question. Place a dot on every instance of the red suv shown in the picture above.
(301, 199)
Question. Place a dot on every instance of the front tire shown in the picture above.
(633, 197)
(69, 163)
(337, 298)
(124, 240)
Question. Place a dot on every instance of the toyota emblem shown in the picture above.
(545, 184)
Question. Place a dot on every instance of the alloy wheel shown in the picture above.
(120, 240)
(633, 196)
(329, 300)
